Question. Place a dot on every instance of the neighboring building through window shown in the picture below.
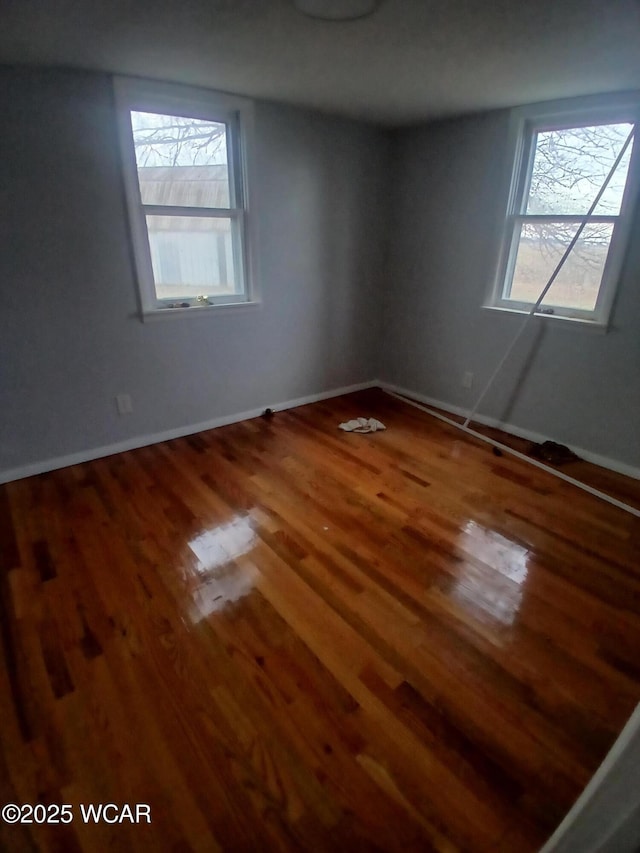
(563, 156)
(185, 177)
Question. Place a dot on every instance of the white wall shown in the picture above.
(574, 386)
(70, 339)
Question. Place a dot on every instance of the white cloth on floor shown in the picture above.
(362, 425)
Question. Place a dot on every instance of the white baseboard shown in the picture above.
(600, 817)
(529, 435)
(179, 432)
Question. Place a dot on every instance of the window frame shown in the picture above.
(524, 123)
(236, 114)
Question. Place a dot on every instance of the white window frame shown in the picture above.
(524, 123)
(237, 115)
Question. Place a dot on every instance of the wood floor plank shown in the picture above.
(283, 637)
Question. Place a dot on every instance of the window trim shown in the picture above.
(523, 122)
(237, 115)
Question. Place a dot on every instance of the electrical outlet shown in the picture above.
(467, 379)
(124, 404)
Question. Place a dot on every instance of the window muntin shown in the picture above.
(185, 160)
(562, 161)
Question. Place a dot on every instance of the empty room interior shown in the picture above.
(320, 426)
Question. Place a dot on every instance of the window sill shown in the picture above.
(153, 314)
(576, 323)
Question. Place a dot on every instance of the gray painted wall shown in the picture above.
(70, 339)
(575, 386)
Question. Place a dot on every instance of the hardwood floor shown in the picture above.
(283, 637)
(623, 488)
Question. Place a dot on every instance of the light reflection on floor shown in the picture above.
(500, 597)
(507, 557)
(221, 580)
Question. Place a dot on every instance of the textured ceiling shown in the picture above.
(411, 61)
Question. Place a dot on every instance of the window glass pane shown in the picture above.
(539, 250)
(570, 166)
(181, 161)
(192, 256)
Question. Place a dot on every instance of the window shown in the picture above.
(563, 155)
(184, 157)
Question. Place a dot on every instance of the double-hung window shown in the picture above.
(562, 155)
(185, 168)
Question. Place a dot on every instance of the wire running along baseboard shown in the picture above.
(506, 449)
(464, 427)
